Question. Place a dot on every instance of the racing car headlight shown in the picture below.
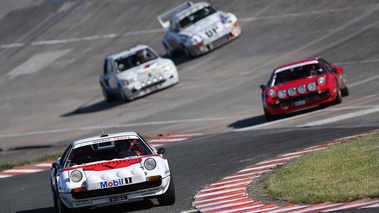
(150, 164)
(311, 86)
(137, 85)
(271, 93)
(301, 89)
(321, 80)
(225, 19)
(282, 93)
(76, 175)
(292, 91)
(195, 40)
(167, 67)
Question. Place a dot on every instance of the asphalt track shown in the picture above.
(52, 53)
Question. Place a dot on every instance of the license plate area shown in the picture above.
(119, 198)
(300, 103)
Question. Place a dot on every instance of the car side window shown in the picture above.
(64, 156)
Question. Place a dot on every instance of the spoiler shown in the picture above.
(164, 19)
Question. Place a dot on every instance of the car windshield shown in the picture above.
(195, 15)
(107, 151)
(293, 73)
(136, 59)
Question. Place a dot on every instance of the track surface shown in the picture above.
(52, 54)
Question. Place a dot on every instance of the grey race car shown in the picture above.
(136, 72)
(196, 29)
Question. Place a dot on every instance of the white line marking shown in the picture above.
(312, 13)
(36, 63)
(115, 126)
(88, 38)
(363, 81)
(341, 117)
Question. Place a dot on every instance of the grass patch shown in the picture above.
(9, 165)
(341, 173)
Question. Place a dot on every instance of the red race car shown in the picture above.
(301, 85)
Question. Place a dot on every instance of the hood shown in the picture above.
(140, 71)
(209, 29)
(114, 173)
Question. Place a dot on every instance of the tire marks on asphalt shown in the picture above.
(229, 194)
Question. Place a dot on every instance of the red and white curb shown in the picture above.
(164, 139)
(156, 141)
(20, 170)
(229, 194)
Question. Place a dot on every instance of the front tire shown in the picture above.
(123, 96)
(345, 90)
(58, 204)
(108, 97)
(269, 117)
(187, 52)
(338, 98)
(168, 51)
(168, 198)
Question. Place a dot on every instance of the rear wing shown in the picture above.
(164, 19)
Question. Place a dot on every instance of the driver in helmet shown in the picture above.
(128, 148)
(142, 57)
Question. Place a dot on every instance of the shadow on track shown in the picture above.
(129, 207)
(100, 106)
(248, 122)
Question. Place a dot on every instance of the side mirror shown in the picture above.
(56, 166)
(161, 150)
(263, 87)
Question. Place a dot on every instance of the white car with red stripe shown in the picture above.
(197, 28)
(110, 169)
(136, 72)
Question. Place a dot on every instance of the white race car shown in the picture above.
(136, 72)
(197, 28)
(110, 169)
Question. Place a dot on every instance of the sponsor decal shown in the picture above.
(111, 165)
(211, 31)
(114, 183)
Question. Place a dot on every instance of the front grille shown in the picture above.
(116, 190)
(219, 41)
(307, 97)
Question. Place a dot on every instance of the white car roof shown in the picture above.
(126, 52)
(100, 137)
(190, 10)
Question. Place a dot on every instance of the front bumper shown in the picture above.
(115, 195)
(299, 102)
(202, 48)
